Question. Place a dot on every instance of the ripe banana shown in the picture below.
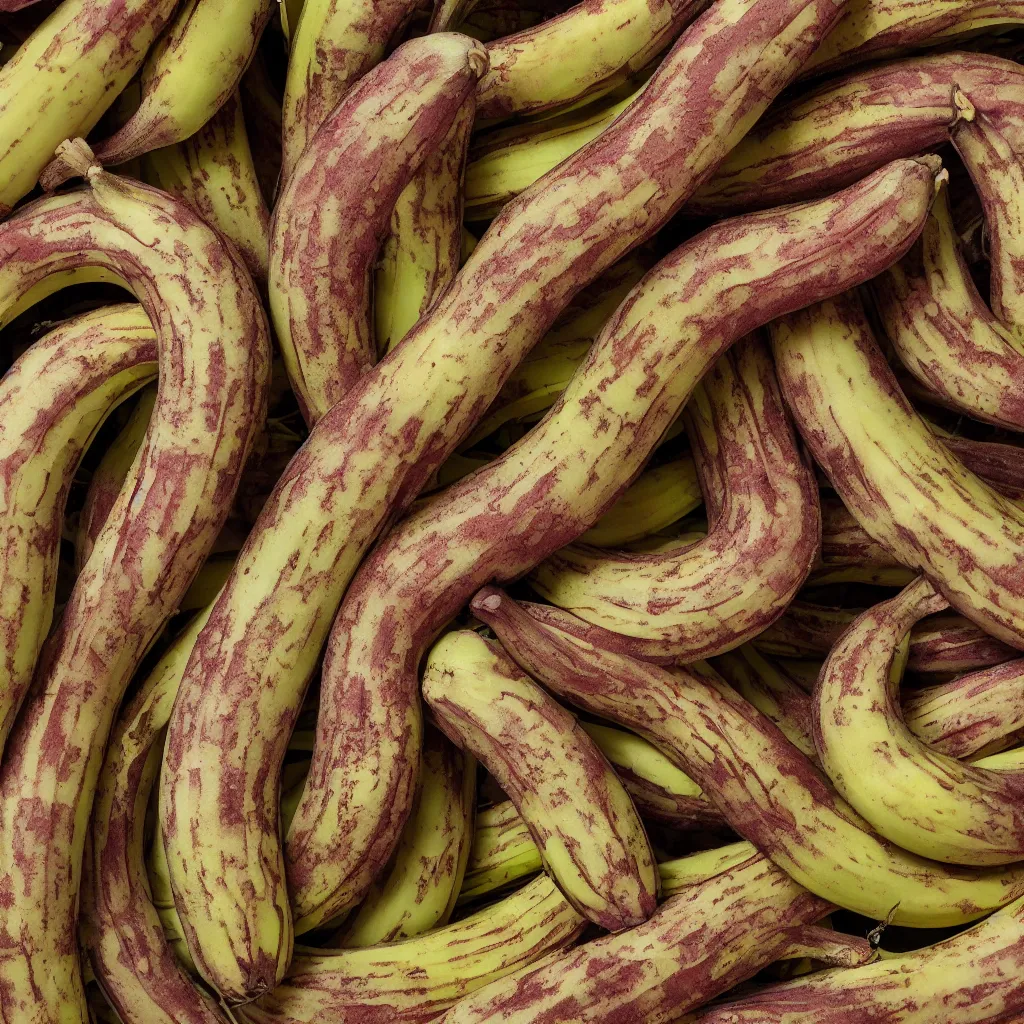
(426, 875)
(52, 401)
(767, 790)
(503, 852)
(697, 600)
(584, 53)
(939, 519)
(1001, 466)
(551, 486)
(213, 354)
(64, 76)
(578, 813)
(848, 554)
(189, 74)
(334, 45)
(421, 254)
(373, 453)
(414, 980)
(336, 205)
(213, 172)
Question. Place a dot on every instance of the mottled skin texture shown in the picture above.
(699, 599)
(841, 130)
(335, 210)
(927, 802)
(52, 401)
(503, 852)
(905, 488)
(849, 555)
(548, 488)
(121, 931)
(369, 457)
(213, 171)
(413, 981)
(214, 362)
(972, 978)
(1001, 466)
(768, 791)
(419, 891)
(64, 77)
(700, 943)
(336, 44)
(581, 54)
(578, 813)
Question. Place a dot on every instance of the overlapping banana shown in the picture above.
(374, 452)
(503, 852)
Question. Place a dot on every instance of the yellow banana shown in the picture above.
(502, 852)
(578, 813)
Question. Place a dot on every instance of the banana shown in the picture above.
(64, 76)
(929, 803)
(120, 924)
(335, 208)
(334, 45)
(421, 254)
(848, 554)
(421, 887)
(213, 354)
(939, 519)
(1001, 466)
(767, 790)
(416, 979)
(213, 171)
(503, 852)
(189, 74)
(52, 401)
(697, 600)
(555, 483)
(582, 820)
(585, 52)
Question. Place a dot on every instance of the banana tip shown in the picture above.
(73, 158)
(487, 600)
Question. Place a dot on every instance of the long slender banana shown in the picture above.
(414, 980)
(213, 354)
(213, 171)
(52, 401)
(1001, 466)
(335, 44)
(64, 76)
(336, 206)
(585, 52)
(426, 876)
(551, 486)
(938, 518)
(697, 600)
(578, 813)
(768, 791)
(503, 852)
(372, 454)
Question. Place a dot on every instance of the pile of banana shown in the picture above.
(512, 511)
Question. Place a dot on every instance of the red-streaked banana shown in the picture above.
(849, 555)
(64, 76)
(1001, 466)
(52, 401)
(414, 980)
(582, 820)
(213, 171)
(904, 487)
(767, 790)
(503, 852)
(419, 891)
(337, 203)
(697, 600)
(551, 486)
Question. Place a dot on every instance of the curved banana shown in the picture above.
(213, 171)
(334, 45)
(939, 519)
(697, 600)
(929, 803)
(52, 401)
(64, 76)
(416, 979)
(503, 852)
(213, 354)
(585, 52)
(426, 875)
(849, 555)
(578, 813)
(767, 790)
(189, 74)
(1001, 466)
(337, 203)
(556, 482)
